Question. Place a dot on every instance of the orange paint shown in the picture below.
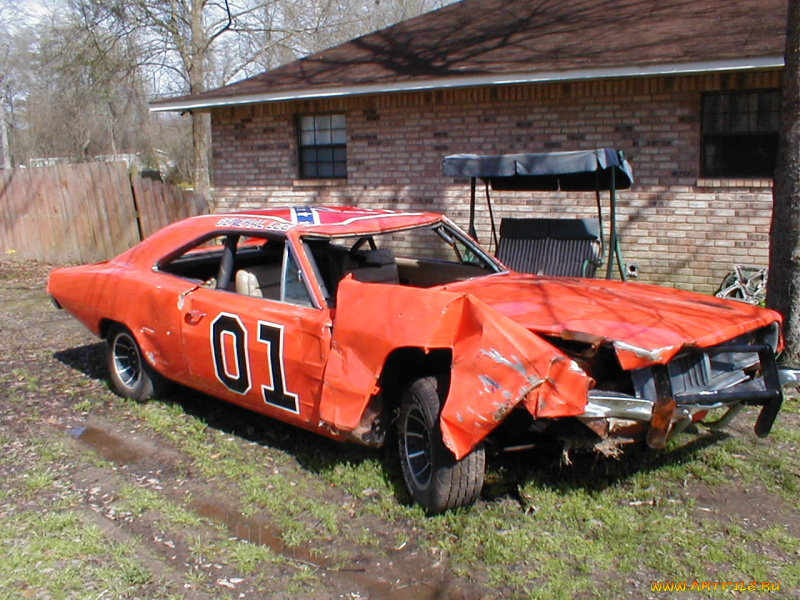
(319, 367)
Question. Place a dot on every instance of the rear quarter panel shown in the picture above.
(145, 302)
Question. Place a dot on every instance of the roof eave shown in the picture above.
(752, 63)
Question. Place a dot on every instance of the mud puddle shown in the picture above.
(407, 576)
(112, 448)
(388, 586)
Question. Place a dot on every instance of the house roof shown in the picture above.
(491, 42)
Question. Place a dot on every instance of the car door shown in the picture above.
(267, 354)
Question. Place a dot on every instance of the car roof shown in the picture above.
(323, 220)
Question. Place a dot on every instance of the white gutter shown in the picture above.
(765, 62)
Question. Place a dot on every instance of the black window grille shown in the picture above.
(323, 146)
(740, 133)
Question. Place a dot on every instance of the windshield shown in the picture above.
(426, 256)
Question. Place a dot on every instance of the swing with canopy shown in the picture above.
(558, 247)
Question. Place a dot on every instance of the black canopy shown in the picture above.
(604, 169)
(583, 170)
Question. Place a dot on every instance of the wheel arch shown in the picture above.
(145, 342)
(105, 326)
(404, 365)
(401, 366)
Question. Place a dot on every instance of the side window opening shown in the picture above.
(257, 267)
(295, 290)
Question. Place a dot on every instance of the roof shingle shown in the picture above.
(505, 37)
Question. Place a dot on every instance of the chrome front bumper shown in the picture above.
(766, 391)
(790, 378)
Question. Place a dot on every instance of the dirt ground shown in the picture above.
(165, 507)
(52, 363)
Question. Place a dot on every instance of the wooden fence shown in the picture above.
(84, 213)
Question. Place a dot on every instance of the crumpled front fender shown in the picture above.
(496, 363)
(499, 365)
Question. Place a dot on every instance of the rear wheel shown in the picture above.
(131, 376)
(436, 480)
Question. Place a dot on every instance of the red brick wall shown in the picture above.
(680, 230)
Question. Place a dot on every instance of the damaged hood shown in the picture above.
(646, 324)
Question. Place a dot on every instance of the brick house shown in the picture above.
(689, 91)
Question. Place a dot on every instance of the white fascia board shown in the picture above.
(764, 62)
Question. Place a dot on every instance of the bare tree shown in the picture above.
(75, 83)
(82, 97)
(7, 59)
(784, 261)
(188, 45)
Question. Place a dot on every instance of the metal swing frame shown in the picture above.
(601, 170)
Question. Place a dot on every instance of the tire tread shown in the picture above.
(455, 483)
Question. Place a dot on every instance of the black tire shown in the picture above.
(435, 479)
(130, 374)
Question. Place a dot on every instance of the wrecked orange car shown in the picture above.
(349, 322)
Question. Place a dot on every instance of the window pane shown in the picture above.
(323, 137)
(337, 121)
(323, 122)
(310, 169)
(740, 132)
(309, 155)
(307, 138)
(295, 289)
(322, 143)
(740, 156)
(307, 123)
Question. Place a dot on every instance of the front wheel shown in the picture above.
(436, 480)
(131, 376)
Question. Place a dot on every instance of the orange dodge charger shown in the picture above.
(352, 322)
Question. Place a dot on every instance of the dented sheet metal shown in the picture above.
(645, 324)
(496, 362)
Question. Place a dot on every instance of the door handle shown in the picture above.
(193, 317)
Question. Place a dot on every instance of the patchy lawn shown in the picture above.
(189, 497)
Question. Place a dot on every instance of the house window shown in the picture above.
(740, 133)
(323, 146)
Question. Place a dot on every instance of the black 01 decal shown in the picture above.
(276, 394)
(223, 326)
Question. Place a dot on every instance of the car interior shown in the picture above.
(255, 266)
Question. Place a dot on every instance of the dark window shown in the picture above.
(323, 146)
(740, 133)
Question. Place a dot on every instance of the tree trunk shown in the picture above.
(201, 121)
(201, 142)
(4, 149)
(784, 260)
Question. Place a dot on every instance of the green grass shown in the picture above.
(590, 530)
(264, 489)
(62, 555)
(551, 532)
(248, 558)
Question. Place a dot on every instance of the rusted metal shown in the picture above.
(663, 409)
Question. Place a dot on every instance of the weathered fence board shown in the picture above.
(84, 213)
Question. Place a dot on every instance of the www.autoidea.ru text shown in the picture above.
(733, 586)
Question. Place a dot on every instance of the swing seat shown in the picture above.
(554, 247)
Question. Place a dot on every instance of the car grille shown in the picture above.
(700, 372)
